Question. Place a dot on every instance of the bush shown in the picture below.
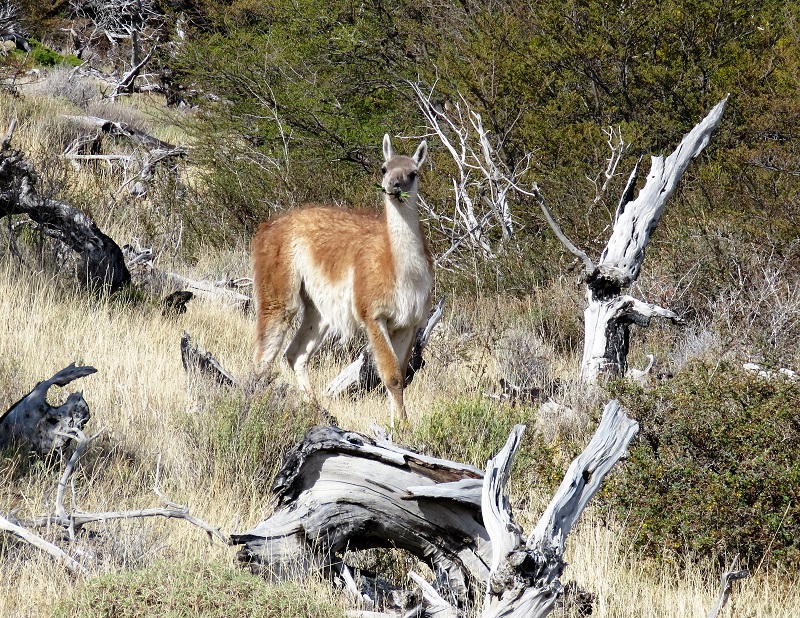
(716, 466)
(194, 589)
(46, 57)
(243, 438)
(474, 430)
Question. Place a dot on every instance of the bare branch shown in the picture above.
(537, 194)
(634, 223)
(725, 584)
(40, 543)
(436, 605)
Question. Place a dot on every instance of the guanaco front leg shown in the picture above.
(388, 365)
(402, 343)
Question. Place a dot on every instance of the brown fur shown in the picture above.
(303, 260)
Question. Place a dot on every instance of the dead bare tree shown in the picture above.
(610, 313)
(100, 260)
(10, 27)
(342, 490)
(138, 22)
(484, 183)
(139, 163)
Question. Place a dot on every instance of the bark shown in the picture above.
(195, 358)
(609, 314)
(101, 263)
(45, 428)
(342, 490)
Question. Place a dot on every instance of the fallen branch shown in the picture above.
(195, 358)
(101, 262)
(40, 543)
(45, 428)
(72, 521)
(341, 490)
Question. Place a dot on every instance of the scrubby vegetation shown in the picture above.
(197, 590)
(716, 468)
(281, 103)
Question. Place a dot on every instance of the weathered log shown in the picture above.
(362, 375)
(101, 262)
(195, 358)
(525, 577)
(45, 428)
(609, 314)
(726, 585)
(155, 150)
(123, 129)
(342, 490)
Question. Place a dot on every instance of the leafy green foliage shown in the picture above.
(194, 590)
(46, 57)
(246, 437)
(305, 91)
(716, 466)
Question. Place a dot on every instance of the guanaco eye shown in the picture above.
(383, 170)
(412, 175)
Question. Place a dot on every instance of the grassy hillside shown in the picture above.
(705, 479)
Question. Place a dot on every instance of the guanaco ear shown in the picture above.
(387, 147)
(422, 151)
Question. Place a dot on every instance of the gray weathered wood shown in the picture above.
(525, 577)
(609, 314)
(725, 586)
(342, 490)
(101, 262)
(45, 428)
(195, 358)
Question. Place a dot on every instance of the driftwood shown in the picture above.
(610, 313)
(342, 490)
(155, 153)
(101, 262)
(362, 375)
(195, 358)
(45, 428)
(73, 519)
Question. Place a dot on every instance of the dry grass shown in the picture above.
(149, 407)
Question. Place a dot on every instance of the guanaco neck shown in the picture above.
(409, 251)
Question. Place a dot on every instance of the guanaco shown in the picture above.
(347, 269)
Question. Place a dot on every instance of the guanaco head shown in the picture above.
(401, 174)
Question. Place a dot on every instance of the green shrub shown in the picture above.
(193, 589)
(244, 437)
(46, 57)
(474, 430)
(716, 465)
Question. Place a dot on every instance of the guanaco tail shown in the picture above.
(344, 270)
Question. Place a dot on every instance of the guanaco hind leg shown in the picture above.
(305, 343)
